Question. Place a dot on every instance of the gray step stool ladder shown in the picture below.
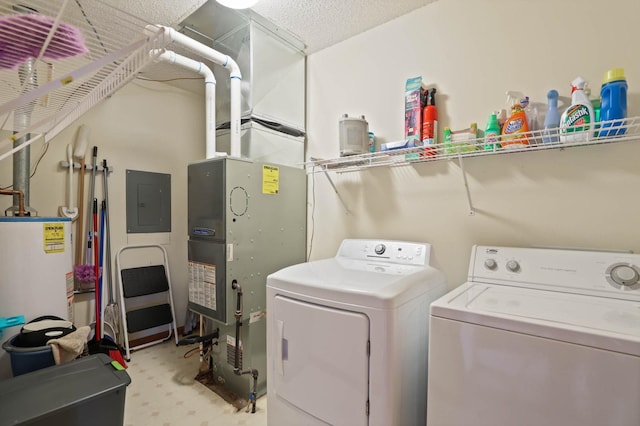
(146, 298)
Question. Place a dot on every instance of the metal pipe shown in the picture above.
(238, 316)
(20, 196)
(236, 364)
(21, 122)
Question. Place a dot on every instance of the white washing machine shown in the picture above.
(538, 337)
(346, 336)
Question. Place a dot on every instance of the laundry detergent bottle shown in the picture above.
(577, 122)
(492, 134)
(613, 103)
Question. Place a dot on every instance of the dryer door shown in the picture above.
(321, 360)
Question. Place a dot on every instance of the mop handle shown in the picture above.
(90, 219)
(101, 263)
(107, 232)
(96, 266)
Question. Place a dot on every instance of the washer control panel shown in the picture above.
(579, 271)
(401, 252)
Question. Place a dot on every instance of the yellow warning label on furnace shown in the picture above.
(53, 237)
(270, 179)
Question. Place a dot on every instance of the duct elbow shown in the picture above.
(234, 69)
(152, 30)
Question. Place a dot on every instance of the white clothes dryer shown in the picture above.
(346, 336)
(538, 337)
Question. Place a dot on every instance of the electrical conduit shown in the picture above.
(210, 91)
(171, 35)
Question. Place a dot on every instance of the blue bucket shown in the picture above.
(26, 360)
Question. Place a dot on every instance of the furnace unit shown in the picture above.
(246, 220)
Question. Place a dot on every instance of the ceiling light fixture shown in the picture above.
(238, 4)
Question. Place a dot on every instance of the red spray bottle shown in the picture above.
(430, 124)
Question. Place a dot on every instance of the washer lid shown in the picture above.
(610, 324)
(365, 283)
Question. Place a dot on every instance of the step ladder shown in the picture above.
(146, 298)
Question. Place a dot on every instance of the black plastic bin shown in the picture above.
(86, 391)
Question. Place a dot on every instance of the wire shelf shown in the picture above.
(605, 132)
(59, 58)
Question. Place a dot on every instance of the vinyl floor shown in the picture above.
(164, 392)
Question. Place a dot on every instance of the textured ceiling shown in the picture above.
(322, 23)
(318, 23)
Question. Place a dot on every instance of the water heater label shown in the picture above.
(270, 179)
(53, 237)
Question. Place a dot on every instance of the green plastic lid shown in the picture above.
(614, 74)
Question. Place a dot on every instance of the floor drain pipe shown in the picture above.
(236, 364)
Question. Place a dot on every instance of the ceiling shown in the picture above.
(317, 23)
(320, 24)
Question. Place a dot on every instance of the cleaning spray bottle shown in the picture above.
(552, 119)
(515, 129)
(430, 124)
(577, 122)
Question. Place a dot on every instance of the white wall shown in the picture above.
(145, 126)
(474, 51)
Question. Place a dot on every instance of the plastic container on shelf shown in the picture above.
(552, 119)
(354, 135)
(515, 130)
(492, 134)
(430, 124)
(577, 123)
(372, 142)
(613, 103)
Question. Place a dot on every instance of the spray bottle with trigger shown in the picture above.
(577, 122)
(430, 124)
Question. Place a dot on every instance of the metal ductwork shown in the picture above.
(21, 121)
(22, 158)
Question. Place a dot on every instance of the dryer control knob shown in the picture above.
(513, 266)
(624, 275)
(490, 264)
(380, 249)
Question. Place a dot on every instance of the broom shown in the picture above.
(111, 312)
(80, 273)
(99, 344)
(86, 272)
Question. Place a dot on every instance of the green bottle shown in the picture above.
(491, 134)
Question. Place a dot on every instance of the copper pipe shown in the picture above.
(20, 194)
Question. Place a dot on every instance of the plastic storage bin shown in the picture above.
(86, 391)
(25, 360)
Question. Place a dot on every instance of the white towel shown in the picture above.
(69, 347)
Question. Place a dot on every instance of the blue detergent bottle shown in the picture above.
(613, 103)
(552, 119)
